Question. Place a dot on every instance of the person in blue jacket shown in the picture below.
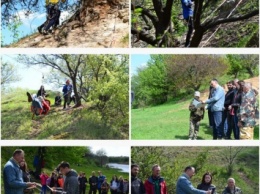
(101, 179)
(12, 175)
(188, 16)
(67, 90)
(184, 185)
(216, 105)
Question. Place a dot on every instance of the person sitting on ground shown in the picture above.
(45, 105)
(58, 99)
(206, 183)
(36, 106)
(231, 187)
(196, 115)
(41, 92)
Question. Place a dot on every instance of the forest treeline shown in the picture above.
(167, 77)
(241, 163)
(52, 156)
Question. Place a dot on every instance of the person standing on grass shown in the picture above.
(226, 117)
(114, 185)
(67, 90)
(12, 175)
(71, 185)
(82, 183)
(246, 114)
(101, 179)
(104, 187)
(234, 107)
(93, 181)
(196, 115)
(216, 105)
(155, 184)
(184, 185)
(137, 186)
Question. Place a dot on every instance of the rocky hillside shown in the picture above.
(102, 26)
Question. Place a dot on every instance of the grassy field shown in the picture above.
(168, 121)
(76, 123)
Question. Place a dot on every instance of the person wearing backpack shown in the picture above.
(196, 115)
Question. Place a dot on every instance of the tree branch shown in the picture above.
(233, 19)
(144, 36)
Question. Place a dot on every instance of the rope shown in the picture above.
(215, 10)
(221, 24)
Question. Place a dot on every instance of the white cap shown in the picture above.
(197, 94)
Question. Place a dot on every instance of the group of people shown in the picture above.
(155, 184)
(63, 179)
(233, 111)
(41, 105)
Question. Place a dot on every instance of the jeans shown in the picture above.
(217, 124)
(235, 127)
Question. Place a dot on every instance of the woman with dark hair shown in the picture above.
(41, 92)
(206, 183)
(26, 175)
(114, 185)
(234, 107)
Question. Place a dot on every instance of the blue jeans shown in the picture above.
(44, 189)
(235, 127)
(217, 124)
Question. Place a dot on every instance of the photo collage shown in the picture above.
(129, 97)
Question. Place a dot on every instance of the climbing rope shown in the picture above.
(221, 24)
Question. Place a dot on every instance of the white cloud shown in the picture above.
(28, 19)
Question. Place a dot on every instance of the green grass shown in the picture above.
(168, 121)
(79, 123)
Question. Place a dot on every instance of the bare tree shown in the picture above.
(8, 74)
(102, 154)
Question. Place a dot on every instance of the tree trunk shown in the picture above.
(250, 72)
(197, 37)
(77, 97)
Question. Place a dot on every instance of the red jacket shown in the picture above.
(150, 189)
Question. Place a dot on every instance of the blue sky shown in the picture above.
(138, 61)
(29, 23)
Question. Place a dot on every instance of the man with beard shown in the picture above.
(137, 186)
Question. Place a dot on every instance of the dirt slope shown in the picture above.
(111, 29)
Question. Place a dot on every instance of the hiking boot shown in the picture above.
(44, 32)
(29, 97)
(39, 30)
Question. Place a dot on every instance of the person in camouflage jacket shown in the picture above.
(196, 115)
(246, 114)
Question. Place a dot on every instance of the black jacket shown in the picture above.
(137, 186)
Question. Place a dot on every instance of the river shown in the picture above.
(122, 167)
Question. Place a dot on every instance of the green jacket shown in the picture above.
(196, 114)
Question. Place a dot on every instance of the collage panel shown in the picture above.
(194, 23)
(65, 96)
(65, 170)
(194, 97)
(65, 24)
(201, 169)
